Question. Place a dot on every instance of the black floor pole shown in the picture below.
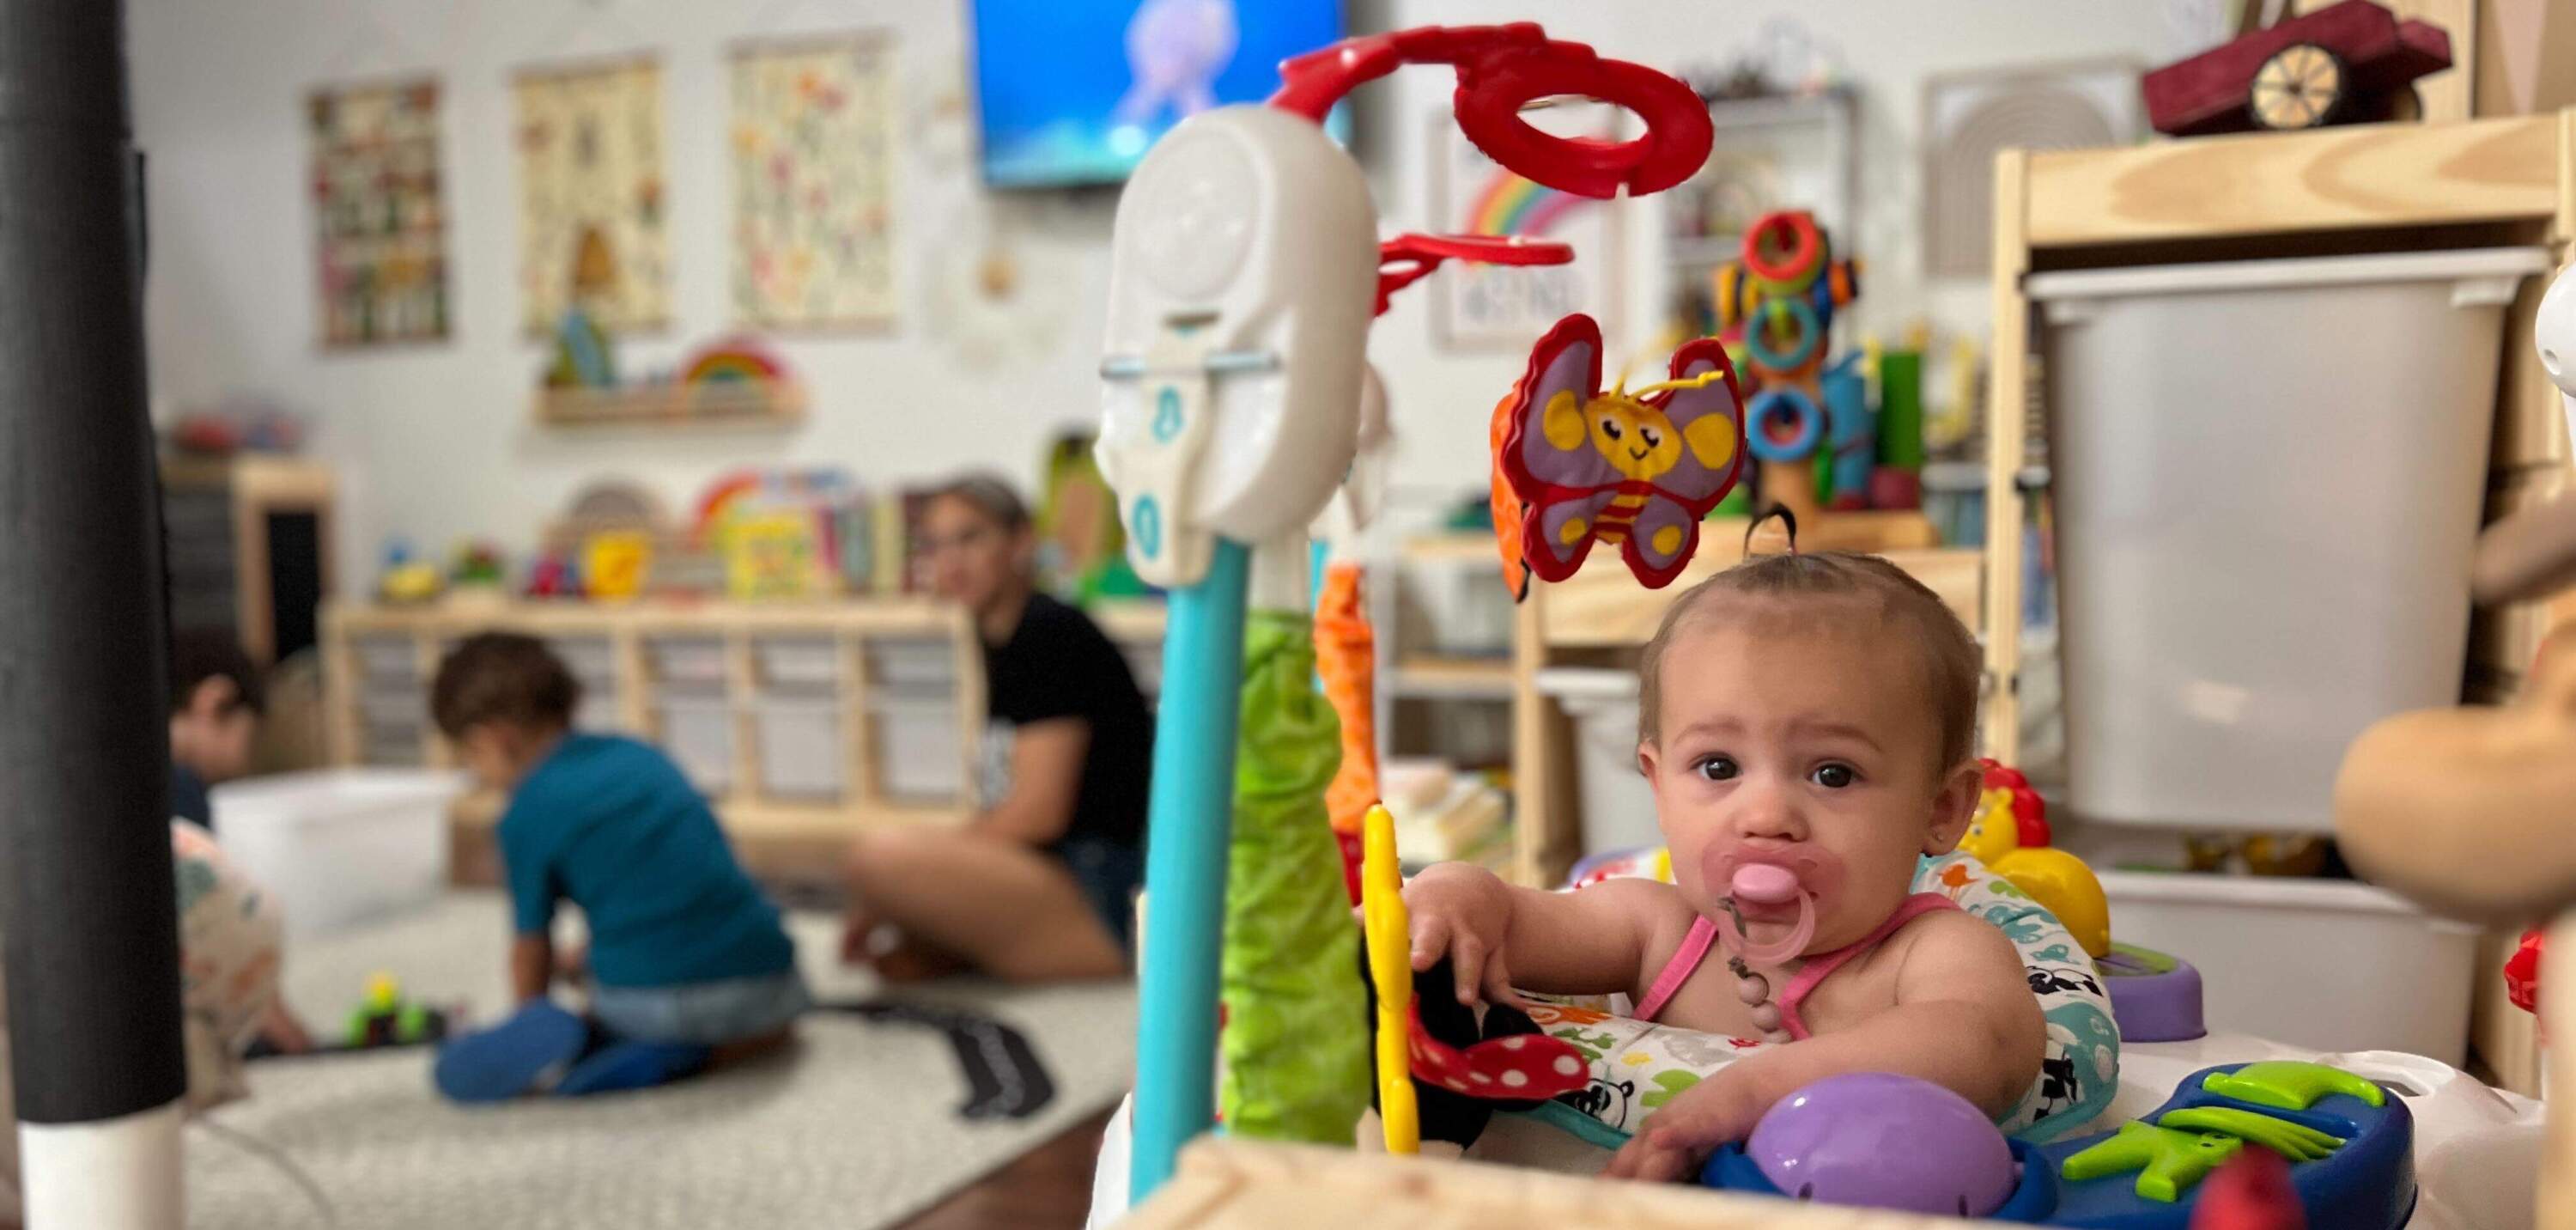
(92, 936)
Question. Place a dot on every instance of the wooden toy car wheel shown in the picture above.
(2302, 86)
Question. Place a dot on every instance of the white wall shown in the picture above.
(433, 441)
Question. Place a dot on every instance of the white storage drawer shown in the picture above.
(591, 659)
(802, 753)
(686, 660)
(918, 756)
(386, 658)
(921, 664)
(698, 732)
(802, 663)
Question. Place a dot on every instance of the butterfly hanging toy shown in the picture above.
(1574, 464)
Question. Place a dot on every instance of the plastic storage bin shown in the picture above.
(2269, 477)
(340, 845)
(918, 759)
(2331, 964)
(913, 665)
(698, 731)
(1618, 805)
(698, 660)
(804, 664)
(801, 752)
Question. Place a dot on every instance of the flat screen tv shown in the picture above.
(1075, 91)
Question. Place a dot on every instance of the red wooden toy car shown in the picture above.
(2349, 61)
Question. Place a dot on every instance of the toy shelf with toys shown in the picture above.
(804, 721)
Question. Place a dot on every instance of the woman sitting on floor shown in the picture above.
(1039, 885)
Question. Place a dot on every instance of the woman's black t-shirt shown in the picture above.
(1058, 664)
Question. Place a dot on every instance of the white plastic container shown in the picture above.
(340, 845)
(1618, 805)
(2331, 964)
(698, 732)
(918, 759)
(801, 752)
(918, 665)
(798, 663)
(687, 660)
(2269, 477)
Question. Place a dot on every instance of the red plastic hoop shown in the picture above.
(1503, 68)
(1409, 258)
(1806, 248)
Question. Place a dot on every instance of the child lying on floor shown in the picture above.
(1806, 722)
(689, 963)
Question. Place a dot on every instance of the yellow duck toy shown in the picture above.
(2054, 878)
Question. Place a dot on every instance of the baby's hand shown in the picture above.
(1678, 1139)
(1463, 912)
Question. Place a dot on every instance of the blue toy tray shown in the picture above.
(2367, 1184)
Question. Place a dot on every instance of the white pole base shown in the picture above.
(111, 1174)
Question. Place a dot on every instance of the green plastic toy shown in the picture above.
(2286, 1084)
(2168, 1161)
(2295, 1142)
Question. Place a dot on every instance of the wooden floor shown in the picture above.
(1048, 1188)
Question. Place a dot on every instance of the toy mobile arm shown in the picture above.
(1502, 69)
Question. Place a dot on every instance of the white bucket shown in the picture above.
(2269, 478)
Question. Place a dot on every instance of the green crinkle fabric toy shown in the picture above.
(1295, 1045)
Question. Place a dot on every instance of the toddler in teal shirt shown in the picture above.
(688, 960)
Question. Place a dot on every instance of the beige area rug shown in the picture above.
(856, 1128)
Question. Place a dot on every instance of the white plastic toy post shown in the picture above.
(1246, 270)
(1245, 260)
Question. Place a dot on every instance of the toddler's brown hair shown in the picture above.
(1952, 665)
(502, 677)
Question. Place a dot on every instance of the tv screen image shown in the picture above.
(1075, 91)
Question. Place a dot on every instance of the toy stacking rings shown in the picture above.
(1784, 424)
(1785, 250)
(1758, 347)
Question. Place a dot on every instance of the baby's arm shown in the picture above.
(1587, 942)
(1964, 1019)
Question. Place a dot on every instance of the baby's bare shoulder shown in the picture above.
(1950, 947)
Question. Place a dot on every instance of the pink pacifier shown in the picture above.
(1765, 884)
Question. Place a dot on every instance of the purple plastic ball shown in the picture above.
(1884, 1141)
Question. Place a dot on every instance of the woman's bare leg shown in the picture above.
(1004, 908)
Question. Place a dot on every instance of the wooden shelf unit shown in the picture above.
(247, 541)
(367, 690)
(713, 404)
(1601, 615)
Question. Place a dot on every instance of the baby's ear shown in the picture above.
(1646, 758)
(1952, 808)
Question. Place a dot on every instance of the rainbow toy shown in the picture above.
(735, 360)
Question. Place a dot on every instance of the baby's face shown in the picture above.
(1809, 744)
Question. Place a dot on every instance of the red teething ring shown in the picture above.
(1805, 243)
(1502, 68)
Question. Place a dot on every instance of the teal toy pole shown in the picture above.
(1189, 827)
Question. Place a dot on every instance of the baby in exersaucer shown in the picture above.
(1807, 723)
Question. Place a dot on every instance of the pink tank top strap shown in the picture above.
(1677, 971)
(1817, 967)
